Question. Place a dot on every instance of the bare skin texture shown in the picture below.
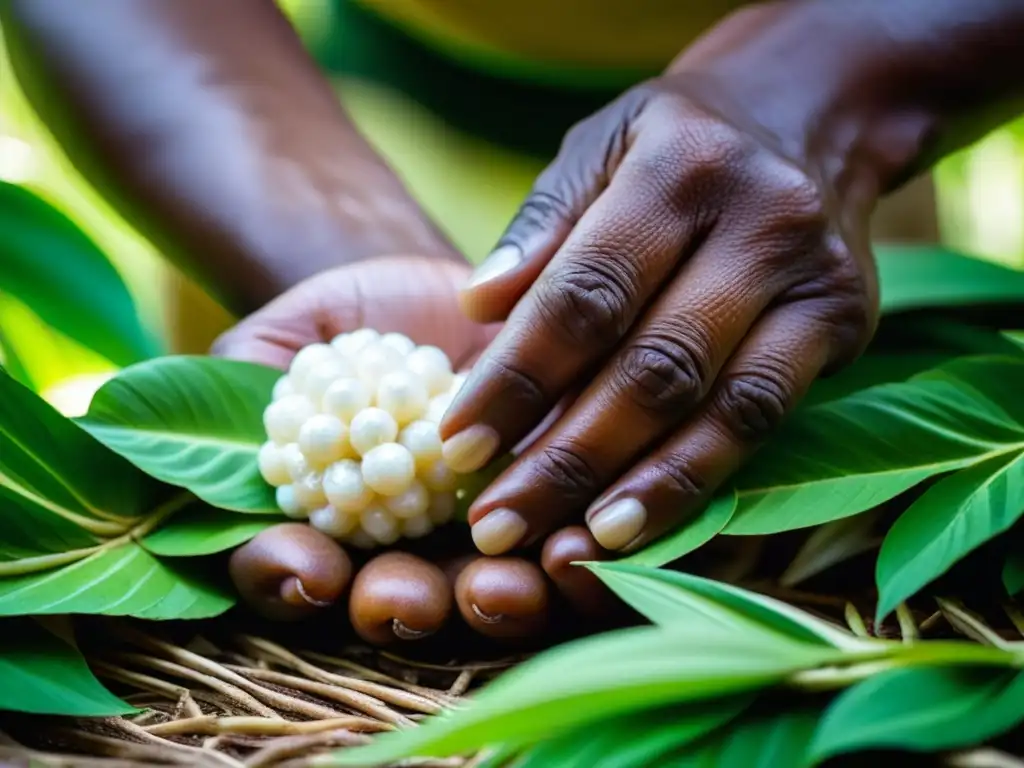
(697, 253)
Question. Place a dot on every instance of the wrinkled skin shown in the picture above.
(396, 597)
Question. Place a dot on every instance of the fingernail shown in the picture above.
(470, 449)
(618, 524)
(498, 531)
(502, 260)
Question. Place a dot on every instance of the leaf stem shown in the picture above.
(26, 565)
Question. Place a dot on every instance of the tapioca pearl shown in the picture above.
(351, 344)
(433, 368)
(295, 461)
(345, 488)
(323, 439)
(283, 418)
(403, 395)
(272, 465)
(360, 539)
(423, 441)
(345, 398)
(288, 502)
(416, 527)
(438, 477)
(398, 342)
(380, 524)
(388, 469)
(283, 387)
(306, 360)
(413, 501)
(309, 490)
(371, 427)
(333, 521)
(320, 378)
(376, 361)
(437, 407)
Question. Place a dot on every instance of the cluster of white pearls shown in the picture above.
(353, 443)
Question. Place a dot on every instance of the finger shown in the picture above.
(658, 376)
(767, 377)
(585, 592)
(398, 596)
(503, 597)
(588, 157)
(587, 298)
(290, 571)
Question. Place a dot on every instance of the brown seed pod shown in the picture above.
(584, 591)
(503, 597)
(398, 596)
(290, 571)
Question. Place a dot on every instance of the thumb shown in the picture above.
(589, 155)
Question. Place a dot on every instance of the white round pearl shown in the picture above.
(345, 398)
(398, 342)
(411, 502)
(308, 358)
(442, 508)
(432, 366)
(288, 502)
(458, 380)
(323, 439)
(437, 407)
(417, 527)
(360, 539)
(283, 418)
(345, 489)
(333, 522)
(350, 344)
(401, 394)
(371, 427)
(380, 524)
(271, 461)
(283, 387)
(423, 442)
(388, 469)
(374, 361)
(295, 462)
(321, 377)
(438, 477)
(309, 491)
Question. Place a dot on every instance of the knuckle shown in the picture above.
(661, 374)
(588, 304)
(678, 474)
(563, 467)
(794, 200)
(752, 405)
(543, 208)
(518, 389)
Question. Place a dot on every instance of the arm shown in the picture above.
(703, 245)
(212, 131)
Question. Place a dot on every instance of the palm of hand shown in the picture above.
(292, 571)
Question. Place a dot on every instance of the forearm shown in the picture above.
(870, 88)
(212, 131)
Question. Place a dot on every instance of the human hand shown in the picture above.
(697, 254)
(292, 570)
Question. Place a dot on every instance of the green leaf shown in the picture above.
(844, 457)
(116, 580)
(44, 675)
(598, 678)
(204, 530)
(59, 488)
(634, 741)
(918, 277)
(758, 740)
(670, 598)
(922, 709)
(953, 517)
(48, 263)
(195, 422)
(690, 536)
(11, 362)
